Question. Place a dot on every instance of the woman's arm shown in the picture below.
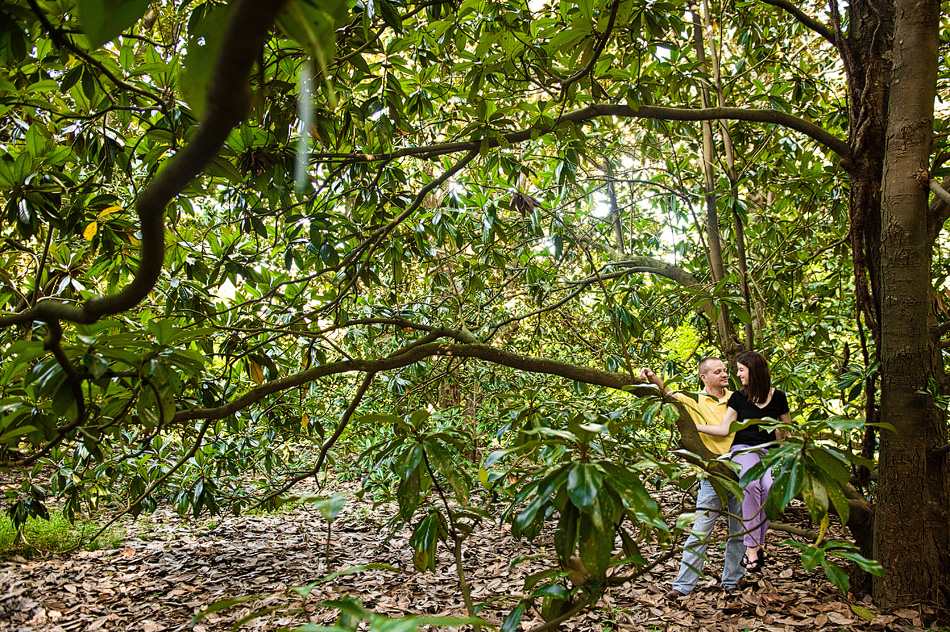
(780, 434)
(722, 430)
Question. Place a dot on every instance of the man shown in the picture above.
(709, 410)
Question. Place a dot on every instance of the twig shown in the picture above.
(805, 19)
(599, 110)
(184, 459)
(344, 420)
(370, 245)
(58, 36)
(598, 49)
(456, 539)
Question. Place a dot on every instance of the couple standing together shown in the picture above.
(715, 411)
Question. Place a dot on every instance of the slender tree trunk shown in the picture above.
(912, 521)
(727, 337)
(733, 179)
(616, 221)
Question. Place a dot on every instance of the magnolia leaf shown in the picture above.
(205, 35)
(104, 20)
(224, 604)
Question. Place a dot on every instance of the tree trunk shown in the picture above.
(616, 221)
(733, 178)
(866, 53)
(912, 521)
(731, 347)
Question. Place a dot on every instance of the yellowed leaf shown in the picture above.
(91, 231)
(257, 374)
(109, 211)
(824, 528)
(863, 612)
(304, 420)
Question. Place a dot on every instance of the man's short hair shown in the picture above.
(705, 362)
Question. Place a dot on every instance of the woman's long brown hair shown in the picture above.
(760, 378)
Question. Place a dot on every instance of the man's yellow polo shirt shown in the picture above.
(709, 411)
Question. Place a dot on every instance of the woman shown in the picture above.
(756, 400)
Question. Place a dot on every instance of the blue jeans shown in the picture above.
(694, 551)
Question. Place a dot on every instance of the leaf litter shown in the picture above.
(171, 569)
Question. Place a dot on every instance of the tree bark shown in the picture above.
(616, 221)
(733, 178)
(912, 521)
(730, 346)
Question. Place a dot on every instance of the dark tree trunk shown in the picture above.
(912, 520)
(866, 53)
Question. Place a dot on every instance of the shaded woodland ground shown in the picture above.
(171, 568)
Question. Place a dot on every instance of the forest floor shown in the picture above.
(170, 568)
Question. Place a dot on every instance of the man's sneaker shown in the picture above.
(674, 594)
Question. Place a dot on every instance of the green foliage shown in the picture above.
(104, 20)
(352, 614)
(574, 239)
(813, 556)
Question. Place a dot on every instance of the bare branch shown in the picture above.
(787, 528)
(591, 112)
(59, 37)
(418, 353)
(804, 18)
(939, 191)
(164, 477)
(939, 212)
(371, 243)
(325, 448)
(52, 344)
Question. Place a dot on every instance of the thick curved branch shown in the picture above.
(663, 269)
(600, 110)
(644, 264)
(52, 344)
(227, 103)
(651, 265)
(804, 18)
(418, 353)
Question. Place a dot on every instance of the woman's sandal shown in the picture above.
(753, 565)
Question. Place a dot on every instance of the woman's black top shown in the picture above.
(745, 409)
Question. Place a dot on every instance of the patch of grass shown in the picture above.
(56, 534)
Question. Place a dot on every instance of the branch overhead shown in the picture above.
(804, 18)
(820, 135)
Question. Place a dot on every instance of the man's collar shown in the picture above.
(725, 396)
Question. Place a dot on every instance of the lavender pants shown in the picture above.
(753, 516)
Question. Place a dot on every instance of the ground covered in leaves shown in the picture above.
(169, 569)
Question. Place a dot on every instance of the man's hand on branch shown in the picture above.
(649, 376)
